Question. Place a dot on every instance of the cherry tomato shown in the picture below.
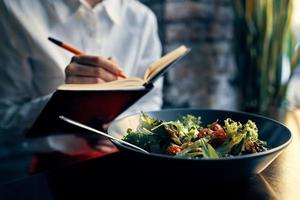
(218, 138)
(216, 127)
(173, 149)
(203, 132)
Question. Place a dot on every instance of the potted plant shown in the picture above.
(265, 54)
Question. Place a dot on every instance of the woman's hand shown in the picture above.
(75, 145)
(91, 69)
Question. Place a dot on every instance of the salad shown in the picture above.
(186, 137)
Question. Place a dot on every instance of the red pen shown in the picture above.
(76, 51)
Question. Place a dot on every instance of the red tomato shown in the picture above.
(218, 138)
(216, 127)
(203, 132)
(173, 150)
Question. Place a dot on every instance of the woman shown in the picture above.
(31, 68)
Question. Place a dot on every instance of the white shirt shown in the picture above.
(31, 67)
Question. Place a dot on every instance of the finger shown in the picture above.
(69, 144)
(105, 126)
(106, 142)
(83, 80)
(106, 149)
(105, 146)
(114, 60)
(75, 69)
(97, 61)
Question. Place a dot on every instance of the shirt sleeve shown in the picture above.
(150, 49)
(18, 116)
(18, 109)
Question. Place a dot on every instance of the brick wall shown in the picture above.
(205, 77)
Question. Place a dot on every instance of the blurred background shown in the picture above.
(243, 53)
(208, 73)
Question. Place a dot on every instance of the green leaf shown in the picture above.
(237, 149)
(191, 122)
(146, 141)
(191, 146)
(148, 122)
(208, 150)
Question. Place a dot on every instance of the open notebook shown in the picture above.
(153, 71)
(97, 104)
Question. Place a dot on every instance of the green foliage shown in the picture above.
(263, 39)
(231, 127)
(149, 142)
(208, 150)
(239, 136)
(181, 138)
(148, 122)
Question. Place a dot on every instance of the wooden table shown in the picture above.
(283, 175)
(281, 180)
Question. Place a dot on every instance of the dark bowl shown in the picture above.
(276, 134)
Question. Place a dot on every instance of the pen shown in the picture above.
(76, 51)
